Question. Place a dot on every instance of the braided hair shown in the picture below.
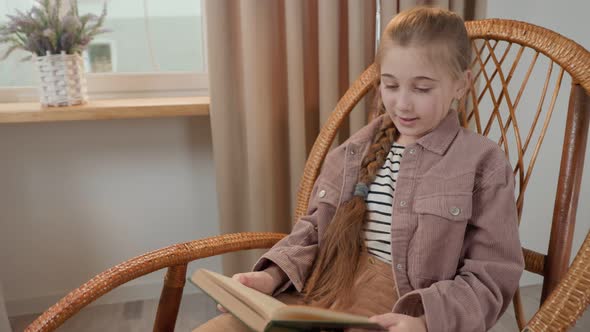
(338, 259)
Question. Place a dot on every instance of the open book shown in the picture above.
(263, 313)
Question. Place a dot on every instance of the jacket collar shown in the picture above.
(439, 139)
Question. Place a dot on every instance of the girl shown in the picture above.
(412, 220)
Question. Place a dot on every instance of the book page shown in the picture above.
(234, 305)
(256, 309)
(299, 312)
(263, 304)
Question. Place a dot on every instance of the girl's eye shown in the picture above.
(391, 87)
(423, 90)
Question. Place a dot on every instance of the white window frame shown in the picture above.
(131, 85)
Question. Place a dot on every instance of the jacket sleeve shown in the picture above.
(295, 254)
(490, 267)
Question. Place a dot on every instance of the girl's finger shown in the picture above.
(240, 277)
(221, 308)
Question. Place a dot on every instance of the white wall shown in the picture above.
(80, 197)
(569, 19)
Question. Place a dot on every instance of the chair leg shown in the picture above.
(170, 299)
(518, 311)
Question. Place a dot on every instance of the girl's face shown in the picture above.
(417, 93)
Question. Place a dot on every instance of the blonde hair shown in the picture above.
(441, 30)
(338, 259)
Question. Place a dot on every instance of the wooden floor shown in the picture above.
(198, 308)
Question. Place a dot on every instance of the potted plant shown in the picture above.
(56, 38)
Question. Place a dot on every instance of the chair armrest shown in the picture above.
(534, 261)
(570, 298)
(178, 254)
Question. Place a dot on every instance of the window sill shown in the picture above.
(107, 109)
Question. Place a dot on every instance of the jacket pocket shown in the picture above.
(447, 206)
(435, 250)
(327, 197)
(327, 193)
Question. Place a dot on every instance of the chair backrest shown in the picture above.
(507, 55)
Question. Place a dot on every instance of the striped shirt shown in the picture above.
(379, 201)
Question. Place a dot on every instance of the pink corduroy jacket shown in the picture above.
(456, 252)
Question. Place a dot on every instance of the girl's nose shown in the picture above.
(402, 102)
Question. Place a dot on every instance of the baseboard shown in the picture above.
(124, 293)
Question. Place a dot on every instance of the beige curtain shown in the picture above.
(276, 71)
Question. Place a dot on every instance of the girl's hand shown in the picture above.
(400, 323)
(261, 281)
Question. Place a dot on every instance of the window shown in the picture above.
(99, 58)
(153, 49)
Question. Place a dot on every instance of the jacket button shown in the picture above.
(403, 203)
(399, 267)
(371, 260)
(322, 193)
(412, 151)
(455, 211)
(315, 228)
(352, 152)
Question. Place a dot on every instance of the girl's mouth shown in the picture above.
(407, 120)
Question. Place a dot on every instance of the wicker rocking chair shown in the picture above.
(499, 46)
